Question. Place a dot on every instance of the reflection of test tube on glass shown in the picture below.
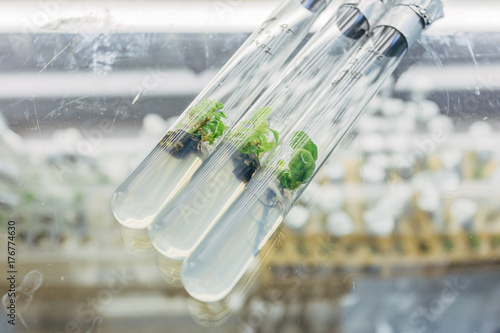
(182, 224)
(10, 166)
(182, 150)
(220, 259)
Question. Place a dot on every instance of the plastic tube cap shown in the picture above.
(410, 17)
(428, 10)
(369, 8)
(315, 5)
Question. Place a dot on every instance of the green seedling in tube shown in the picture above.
(223, 177)
(221, 258)
(201, 128)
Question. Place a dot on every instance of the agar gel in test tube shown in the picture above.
(221, 258)
(197, 132)
(182, 223)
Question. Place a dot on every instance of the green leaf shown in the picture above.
(262, 113)
(285, 179)
(302, 165)
(312, 148)
(255, 132)
(207, 121)
(275, 134)
(301, 140)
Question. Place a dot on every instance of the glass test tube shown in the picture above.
(221, 258)
(172, 162)
(182, 224)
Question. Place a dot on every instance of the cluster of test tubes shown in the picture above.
(220, 182)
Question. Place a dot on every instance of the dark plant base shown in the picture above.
(179, 143)
(245, 165)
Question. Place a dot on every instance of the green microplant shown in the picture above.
(207, 121)
(255, 133)
(302, 162)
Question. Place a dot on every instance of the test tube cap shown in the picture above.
(369, 8)
(315, 5)
(410, 17)
(428, 10)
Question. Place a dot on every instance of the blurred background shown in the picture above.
(400, 232)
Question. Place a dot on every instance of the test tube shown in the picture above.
(182, 224)
(222, 256)
(172, 162)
